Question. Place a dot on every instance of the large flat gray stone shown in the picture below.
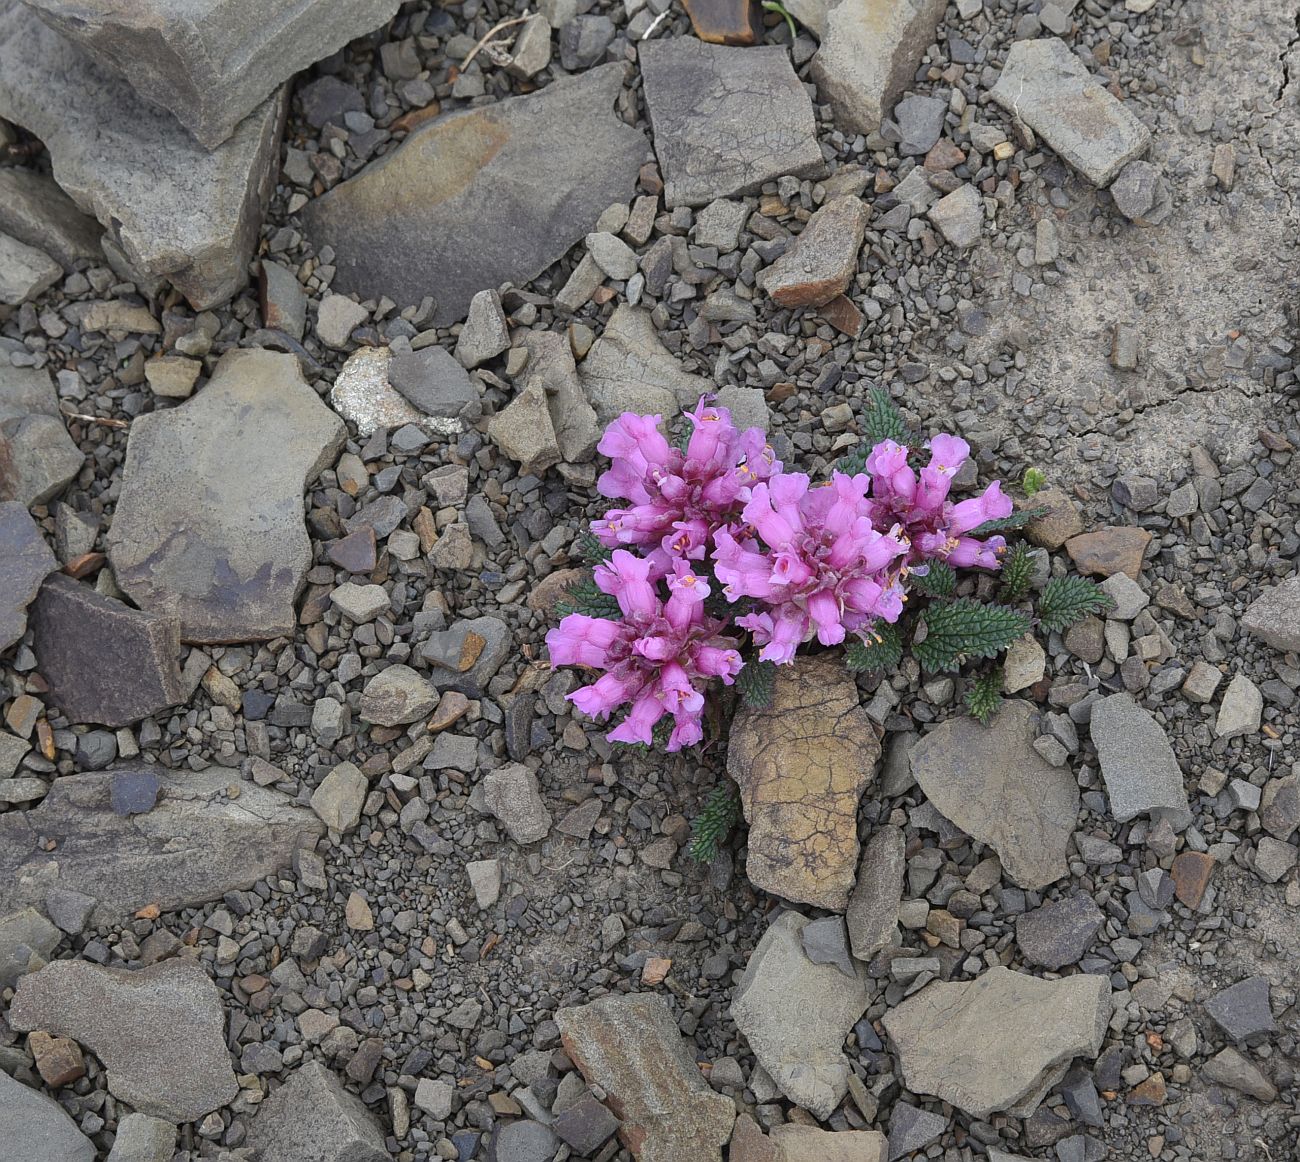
(312, 1118)
(25, 561)
(195, 845)
(211, 62)
(725, 120)
(34, 210)
(176, 210)
(209, 525)
(34, 1126)
(1137, 762)
(482, 196)
(629, 369)
(37, 456)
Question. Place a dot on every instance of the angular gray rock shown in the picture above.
(999, 1042)
(364, 394)
(1049, 88)
(239, 455)
(1274, 616)
(396, 696)
(482, 196)
(104, 661)
(725, 120)
(24, 934)
(468, 654)
(34, 210)
(524, 432)
(434, 381)
(573, 419)
(25, 272)
(312, 1118)
(993, 784)
(1243, 1010)
(630, 1046)
(512, 796)
(1059, 932)
(25, 561)
(629, 369)
(1138, 764)
(1237, 1071)
(872, 914)
(210, 63)
(796, 1014)
(959, 216)
(141, 1138)
(159, 1031)
(338, 799)
(175, 209)
(485, 333)
(869, 54)
(34, 1126)
(1241, 710)
(37, 454)
(195, 845)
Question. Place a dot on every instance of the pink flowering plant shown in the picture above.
(717, 564)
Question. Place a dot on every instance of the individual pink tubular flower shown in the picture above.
(935, 527)
(678, 498)
(659, 657)
(815, 561)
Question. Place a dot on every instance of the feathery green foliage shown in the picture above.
(755, 683)
(583, 597)
(1004, 524)
(589, 548)
(883, 652)
(881, 420)
(984, 695)
(939, 581)
(1065, 600)
(965, 628)
(712, 826)
(1033, 482)
(1017, 572)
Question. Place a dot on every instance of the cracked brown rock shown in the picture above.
(824, 258)
(725, 21)
(1110, 550)
(630, 1046)
(25, 561)
(802, 764)
(159, 1031)
(195, 845)
(209, 526)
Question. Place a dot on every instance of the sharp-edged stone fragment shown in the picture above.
(312, 1118)
(959, 216)
(209, 525)
(912, 1128)
(25, 271)
(796, 1014)
(573, 419)
(802, 763)
(869, 54)
(25, 935)
(1141, 194)
(1274, 616)
(25, 561)
(872, 914)
(512, 796)
(799, 1143)
(33, 1126)
(434, 381)
(823, 259)
(1138, 764)
(725, 120)
(1242, 1010)
(364, 395)
(194, 845)
(338, 799)
(630, 1046)
(175, 209)
(141, 1138)
(35, 211)
(629, 369)
(1059, 932)
(104, 661)
(725, 21)
(482, 196)
(210, 63)
(485, 333)
(524, 432)
(396, 696)
(37, 456)
(993, 784)
(159, 1031)
(1236, 1071)
(1045, 85)
(282, 299)
(999, 1042)
(1241, 710)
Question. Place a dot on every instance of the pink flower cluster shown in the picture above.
(793, 561)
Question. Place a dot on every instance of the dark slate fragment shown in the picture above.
(1242, 1011)
(586, 1125)
(911, 1128)
(134, 791)
(25, 561)
(1059, 932)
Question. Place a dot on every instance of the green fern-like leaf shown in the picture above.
(881, 420)
(1004, 524)
(984, 696)
(1033, 482)
(583, 597)
(712, 826)
(1017, 572)
(965, 628)
(881, 650)
(939, 581)
(755, 683)
(1065, 600)
(589, 548)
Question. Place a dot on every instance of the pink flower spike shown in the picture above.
(991, 504)
(602, 697)
(582, 641)
(687, 732)
(824, 610)
(639, 725)
(627, 579)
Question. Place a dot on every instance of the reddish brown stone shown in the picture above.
(58, 1059)
(1191, 872)
(823, 259)
(1150, 1093)
(725, 21)
(750, 1144)
(1115, 549)
(844, 316)
(943, 156)
(355, 552)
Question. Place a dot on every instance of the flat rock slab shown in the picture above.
(1059, 932)
(999, 1042)
(1137, 762)
(195, 845)
(1051, 90)
(823, 259)
(211, 62)
(992, 784)
(630, 1046)
(25, 561)
(869, 54)
(175, 209)
(725, 120)
(312, 1118)
(628, 369)
(872, 915)
(37, 456)
(104, 661)
(802, 763)
(209, 526)
(481, 197)
(34, 1126)
(795, 1015)
(159, 1031)
(1274, 616)
(34, 210)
